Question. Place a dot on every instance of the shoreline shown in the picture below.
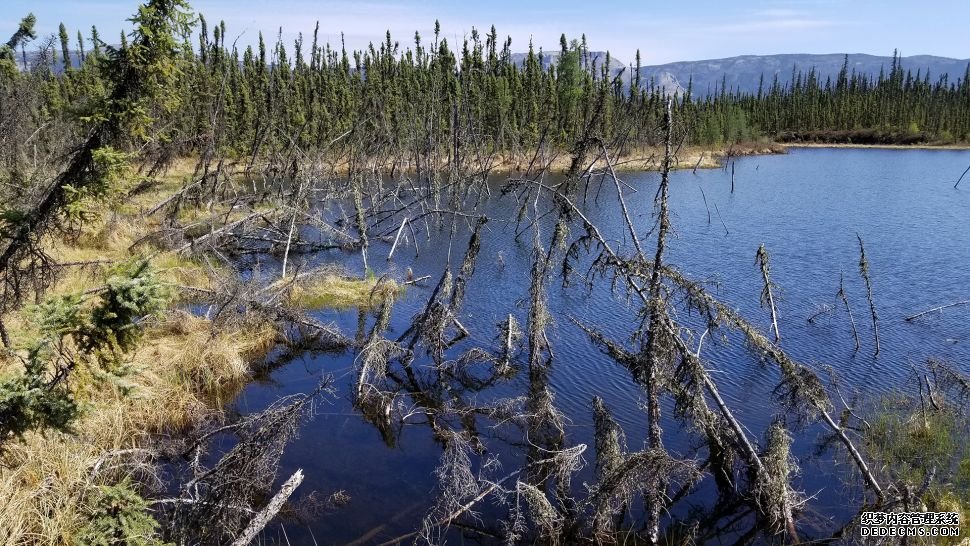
(878, 146)
(703, 157)
(643, 159)
(650, 159)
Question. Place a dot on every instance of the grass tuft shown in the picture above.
(329, 290)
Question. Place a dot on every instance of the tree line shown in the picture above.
(897, 106)
(428, 99)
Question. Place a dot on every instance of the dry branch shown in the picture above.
(845, 301)
(939, 308)
(767, 297)
(864, 271)
(267, 514)
(704, 196)
(397, 238)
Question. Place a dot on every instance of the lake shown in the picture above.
(806, 207)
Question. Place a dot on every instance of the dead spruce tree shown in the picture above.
(864, 273)
(218, 504)
(656, 346)
(800, 390)
(845, 302)
(767, 295)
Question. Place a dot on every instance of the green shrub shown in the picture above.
(70, 332)
(119, 517)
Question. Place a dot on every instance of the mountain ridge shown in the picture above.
(743, 73)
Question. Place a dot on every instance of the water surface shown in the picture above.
(807, 208)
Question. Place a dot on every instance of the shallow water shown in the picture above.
(807, 208)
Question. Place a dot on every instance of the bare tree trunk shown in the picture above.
(766, 294)
(397, 238)
(845, 301)
(699, 159)
(653, 349)
(864, 271)
(262, 519)
(508, 341)
(706, 206)
(859, 461)
(939, 308)
(289, 239)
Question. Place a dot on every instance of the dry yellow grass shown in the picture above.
(639, 159)
(651, 159)
(184, 369)
(189, 365)
(331, 290)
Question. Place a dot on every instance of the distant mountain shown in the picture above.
(37, 58)
(744, 73)
(549, 59)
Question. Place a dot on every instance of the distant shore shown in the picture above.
(651, 158)
(641, 159)
(964, 146)
(702, 157)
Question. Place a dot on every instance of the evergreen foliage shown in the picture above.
(24, 34)
(119, 517)
(71, 331)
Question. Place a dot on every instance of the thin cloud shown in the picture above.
(777, 13)
(774, 25)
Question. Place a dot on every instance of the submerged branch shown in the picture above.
(939, 308)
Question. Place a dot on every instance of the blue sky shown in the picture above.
(663, 31)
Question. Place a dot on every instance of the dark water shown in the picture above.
(806, 207)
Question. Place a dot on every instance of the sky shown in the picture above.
(663, 31)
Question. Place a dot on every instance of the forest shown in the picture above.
(407, 99)
(163, 194)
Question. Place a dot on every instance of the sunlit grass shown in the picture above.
(334, 291)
